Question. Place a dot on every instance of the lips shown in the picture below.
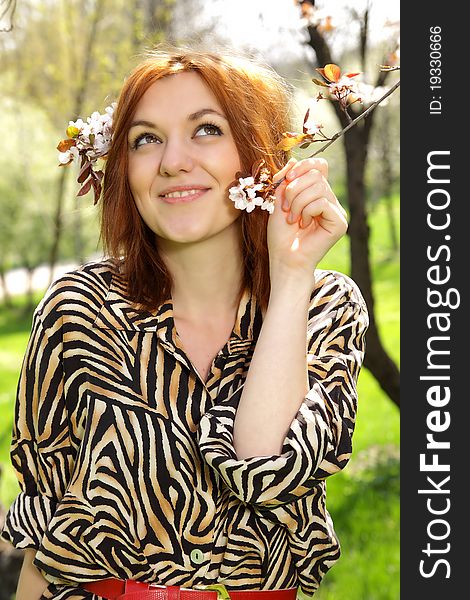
(182, 194)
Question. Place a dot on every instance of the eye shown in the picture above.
(208, 129)
(143, 139)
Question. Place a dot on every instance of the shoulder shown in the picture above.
(329, 283)
(79, 291)
(334, 290)
(337, 312)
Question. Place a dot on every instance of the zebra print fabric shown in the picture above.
(125, 456)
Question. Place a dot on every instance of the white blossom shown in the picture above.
(253, 204)
(370, 94)
(269, 206)
(79, 123)
(238, 197)
(342, 87)
(264, 175)
(64, 157)
(109, 110)
(244, 196)
(97, 125)
(312, 128)
(242, 203)
(251, 191)
(246, 182)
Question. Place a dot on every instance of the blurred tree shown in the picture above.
(384, 157)
(152, 22)
(356, 146)
(158, 20)
(9, 208)
(25, 227)
(69, 58)
(32, 226)
(78, 103)
(7, 10)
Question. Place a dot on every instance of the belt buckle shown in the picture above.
(222, 592)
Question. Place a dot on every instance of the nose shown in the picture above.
(176, 158)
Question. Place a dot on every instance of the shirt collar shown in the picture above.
(119, 313)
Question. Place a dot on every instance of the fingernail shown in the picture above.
(290, 218)
(285, 204)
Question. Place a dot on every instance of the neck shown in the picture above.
(206, 275)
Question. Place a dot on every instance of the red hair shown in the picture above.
(255, 101)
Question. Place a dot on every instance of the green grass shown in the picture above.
(15, 325)
(363, 501)
(364, 498)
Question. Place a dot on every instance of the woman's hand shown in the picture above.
(307, 220)
(31, 584)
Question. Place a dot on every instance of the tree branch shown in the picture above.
(364, 114)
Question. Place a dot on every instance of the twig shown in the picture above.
(389, 68)
(339, 134)
(364, 114)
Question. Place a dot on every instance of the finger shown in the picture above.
(307, 164)
(312, 180)
(279, 178)
(282, 173)
(298, 200)
(342, 209)
(328, 216)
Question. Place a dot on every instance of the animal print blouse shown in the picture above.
(125, 456)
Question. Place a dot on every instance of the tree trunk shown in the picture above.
(78, 105)
(79, 245)
(57, 222)
(355, 143)
(29, 289)
(376, 360)
(157, 20)
(6, 294)
(387, 173)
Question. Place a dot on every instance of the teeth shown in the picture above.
(180, 194)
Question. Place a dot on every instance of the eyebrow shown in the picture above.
(192, 117)
(200, 113)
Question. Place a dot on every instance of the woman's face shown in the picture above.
(182, 157)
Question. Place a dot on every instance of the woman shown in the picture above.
(182, 402)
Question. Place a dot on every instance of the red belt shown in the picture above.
(119, 589)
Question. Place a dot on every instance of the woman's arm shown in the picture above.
(277, 381)
(306, 222)
(31, 584)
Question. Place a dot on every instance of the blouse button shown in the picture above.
(197, 556)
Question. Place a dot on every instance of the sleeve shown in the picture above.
(40, 450)
(319, 440)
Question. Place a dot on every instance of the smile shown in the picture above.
(181, 196)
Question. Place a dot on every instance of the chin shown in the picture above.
(185, 235)
(195, 230)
